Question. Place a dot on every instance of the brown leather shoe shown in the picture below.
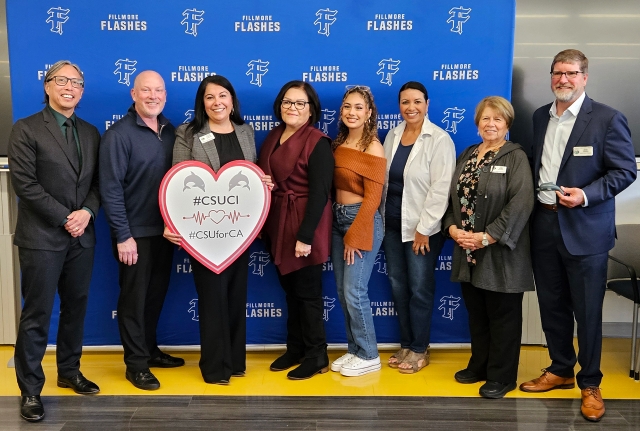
(548, 381)
(592, 407)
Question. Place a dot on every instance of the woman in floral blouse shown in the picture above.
(491, 198)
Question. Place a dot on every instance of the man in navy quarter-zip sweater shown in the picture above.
(135, 153)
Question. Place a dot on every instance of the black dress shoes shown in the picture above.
(165, 361)
(285, 361)
(144, 380)
(79, 383)
(310, 367)
(467, 376)
(31, 408)
(495, 390)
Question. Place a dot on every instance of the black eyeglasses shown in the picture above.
(62, 81)
(299, 104)
(570, 74)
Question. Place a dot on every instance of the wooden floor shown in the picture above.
(265, 400)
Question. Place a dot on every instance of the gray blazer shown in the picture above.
(503, 207)
(48, 182)
(189, 147)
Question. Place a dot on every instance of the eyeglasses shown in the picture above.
(570, 74)
(62, 81)
(299, 104)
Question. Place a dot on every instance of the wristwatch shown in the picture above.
(485, 241)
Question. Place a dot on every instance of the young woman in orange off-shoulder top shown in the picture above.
(357, 226)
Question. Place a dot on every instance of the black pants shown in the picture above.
(495, 323)
(568, 286)
(222, 305)
(143, 287)
(305, 309)
(43, 272)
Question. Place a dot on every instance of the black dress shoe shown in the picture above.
(495, 390)
(285, 361)
(238, 374)
(467, 376)
(165, 361)
(31, 408)
(144, 380)
(310, 367)
(79, 383)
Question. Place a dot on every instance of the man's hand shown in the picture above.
(77, 222)
(572, 198)
(128, 252)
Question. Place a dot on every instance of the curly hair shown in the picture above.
(370, 132)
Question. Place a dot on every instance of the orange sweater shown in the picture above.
(362, 174)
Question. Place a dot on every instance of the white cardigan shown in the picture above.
(427, 177)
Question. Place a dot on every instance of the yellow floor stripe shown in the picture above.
(107, 370)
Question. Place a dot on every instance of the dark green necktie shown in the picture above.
(74, 148)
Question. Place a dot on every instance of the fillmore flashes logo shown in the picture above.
(191, 73)
(257, 69)
(448, 304)
(192, 19)
(388, 68)
(457, 17)
(124, 69)
(381, 263)
(57, 17)
(114, 118)
(390, 22)
(257, 23)
(188, 116)
(329, 304)
(388, 121)
(261, 122)
(456, 72)
(326, 119)
(324, 74)
(325, 19)
(452, 116)
(258, 260)
(193, 309)
(123, 22)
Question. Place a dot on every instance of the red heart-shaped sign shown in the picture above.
(218, 214)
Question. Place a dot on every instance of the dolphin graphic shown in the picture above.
(195, 181)
(238, 179)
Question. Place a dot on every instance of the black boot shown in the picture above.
(310, 367)
(286, 361)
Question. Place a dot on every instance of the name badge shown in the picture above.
(583, 151)
(499, 169)
(206, 138)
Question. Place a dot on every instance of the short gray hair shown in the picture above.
(55, 68)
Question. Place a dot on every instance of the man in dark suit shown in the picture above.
(135, 154)
(53, 159)
(585, 148)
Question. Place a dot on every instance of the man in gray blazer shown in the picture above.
(53, 159)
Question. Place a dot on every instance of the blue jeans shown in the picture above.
(413, 284)
(352, 282)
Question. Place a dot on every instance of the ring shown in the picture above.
(306, 254)
(76, 230)
(422, 247)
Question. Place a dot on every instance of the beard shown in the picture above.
(564, 94)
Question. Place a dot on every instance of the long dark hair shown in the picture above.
(200, 117)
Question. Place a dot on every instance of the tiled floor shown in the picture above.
(265, 400)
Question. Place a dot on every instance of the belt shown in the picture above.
(550, 207)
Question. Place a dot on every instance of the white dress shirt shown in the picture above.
(555, 142)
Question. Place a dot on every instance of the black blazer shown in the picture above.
(47, 182)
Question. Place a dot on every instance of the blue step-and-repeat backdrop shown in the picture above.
(461, 50)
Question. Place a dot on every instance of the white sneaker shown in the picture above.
(338, 363)
(359, 367)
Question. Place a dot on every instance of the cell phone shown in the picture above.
(550, 187)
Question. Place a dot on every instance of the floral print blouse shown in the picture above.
(467, 192)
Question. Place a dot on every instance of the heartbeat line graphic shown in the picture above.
(217, 217)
